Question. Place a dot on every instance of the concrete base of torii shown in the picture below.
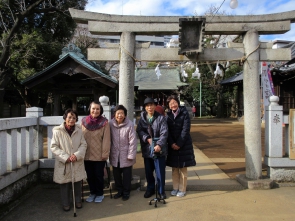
(255, 184)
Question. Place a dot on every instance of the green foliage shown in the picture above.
(211, 91)
(152, 64)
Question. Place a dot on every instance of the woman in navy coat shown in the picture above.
(180, 147)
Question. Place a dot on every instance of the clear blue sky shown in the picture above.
(195, 7)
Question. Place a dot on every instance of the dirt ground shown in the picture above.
(223, 141)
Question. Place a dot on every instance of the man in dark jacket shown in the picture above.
(153, 133)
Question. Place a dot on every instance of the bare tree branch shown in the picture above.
(111, 66)
(14, 29)
(52, 9)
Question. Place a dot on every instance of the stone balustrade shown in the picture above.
(20, 145)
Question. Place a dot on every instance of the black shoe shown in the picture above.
(149, 193)
(66, 208)
(118, 195)
(163, 196)
(79, 205)
(125, 197)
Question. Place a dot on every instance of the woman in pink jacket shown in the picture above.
(123, 151)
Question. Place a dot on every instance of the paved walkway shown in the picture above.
(226, 200)
(204, 176)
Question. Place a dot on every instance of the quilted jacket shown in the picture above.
(124, 143)
(159, 130)
(179, 133)
(98, 143)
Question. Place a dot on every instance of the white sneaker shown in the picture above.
(99, 199)
(174, 192)
(180, 194)
(90, 198)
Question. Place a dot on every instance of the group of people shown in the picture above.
(165, 140)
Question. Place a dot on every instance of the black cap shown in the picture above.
(148, 100)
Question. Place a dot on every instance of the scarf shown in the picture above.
(92, 124)
(69, 129)
(175, 113)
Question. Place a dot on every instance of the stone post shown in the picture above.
(104, 101)
(37, 132)
(34, 112)
(280, 167)
(273, 128)
(252, 118)
(127, 67)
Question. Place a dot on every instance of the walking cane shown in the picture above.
(74, 200)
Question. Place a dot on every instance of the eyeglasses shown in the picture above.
(173, 102)
(72, 118)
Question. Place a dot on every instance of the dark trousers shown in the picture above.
(65, 192)
(158, 165)
(95, 173)
(122, 177)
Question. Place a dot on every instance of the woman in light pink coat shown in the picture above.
(123, 151)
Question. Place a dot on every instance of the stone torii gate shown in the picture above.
(251, 50)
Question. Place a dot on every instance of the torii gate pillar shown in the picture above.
(127, 68)
(252, 115)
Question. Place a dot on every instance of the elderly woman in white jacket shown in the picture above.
(123, 151)
(69, 146)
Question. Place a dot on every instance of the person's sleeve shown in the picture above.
(170, 139)
(141, 133)
(106, 142)
(56, 149)
(163, 133)
(132, 143)
(185, 131)
(80, 153)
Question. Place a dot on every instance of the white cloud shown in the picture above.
(193, 7)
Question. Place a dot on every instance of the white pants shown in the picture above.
(179, 178)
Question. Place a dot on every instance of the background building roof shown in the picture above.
(236, 79)
(146, 79)
(73, 52)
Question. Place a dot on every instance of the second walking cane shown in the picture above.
(74, 200)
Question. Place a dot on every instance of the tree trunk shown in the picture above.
(22, 91)
(2, 92)
(234, 109)
(220, 108)
(5, 75)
